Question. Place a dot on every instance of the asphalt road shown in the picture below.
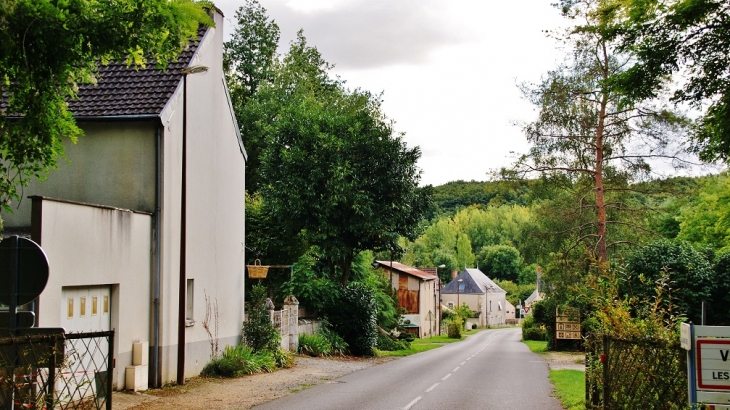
(489, 370)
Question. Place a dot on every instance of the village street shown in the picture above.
(489, 370)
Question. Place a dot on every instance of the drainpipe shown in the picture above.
(182, 288)
(156, 375)
(182, 291)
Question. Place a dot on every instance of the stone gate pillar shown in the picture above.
(291, 304)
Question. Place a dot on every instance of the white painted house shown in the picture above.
(109, 219)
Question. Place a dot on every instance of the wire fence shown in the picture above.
(635, 374)
(56, 370)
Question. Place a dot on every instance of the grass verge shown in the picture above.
(536, 346)
(422, 345)
(569, 388)
(569, 384)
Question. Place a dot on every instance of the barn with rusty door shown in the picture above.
(417, 295)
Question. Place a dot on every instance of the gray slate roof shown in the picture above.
(475, 282)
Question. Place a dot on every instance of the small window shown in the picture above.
(70, 311)
(82, 306)
(461, 286)
(451, 305)
(490, 305)
(94, 305)
(189, 302)
(106, 304)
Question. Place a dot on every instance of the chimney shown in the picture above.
(454, 273)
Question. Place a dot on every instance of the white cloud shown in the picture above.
(448, 68)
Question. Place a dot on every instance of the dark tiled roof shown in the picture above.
(122, 90)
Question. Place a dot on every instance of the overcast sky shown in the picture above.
(449, 69)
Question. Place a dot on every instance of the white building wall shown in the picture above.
(97, 246)
(215, 211)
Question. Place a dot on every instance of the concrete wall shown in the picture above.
(215, 209)
(88, 245)
(111, 164)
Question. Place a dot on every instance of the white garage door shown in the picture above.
(86, 308)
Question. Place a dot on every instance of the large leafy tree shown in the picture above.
(690, 37)
(333, 168)
(683, 275)
(249, 60)
(49, 47)
(584, 132)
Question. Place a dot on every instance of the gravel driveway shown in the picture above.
(244, 392)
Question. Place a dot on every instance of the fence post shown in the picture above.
(110, 371)
(51, 387)
(291, 305)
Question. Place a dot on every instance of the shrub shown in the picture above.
(337, 344)
(534, 333)
(473, 326)
(354, 318)
(323, 343)
(389, 344)
(314, 345)
(531, 330)
(283, 358)
(454, 328)
(240, 360)
(258, 332)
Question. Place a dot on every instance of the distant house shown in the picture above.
(480, 293)
(109, 219)
(417, 294)
(536, 295)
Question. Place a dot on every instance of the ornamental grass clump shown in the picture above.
(238, 361)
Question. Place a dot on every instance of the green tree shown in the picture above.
(584, 132)
(706, 221)
(515, 292)
(685, 272)
(500, 262)
(690, 37)
(249, 59)
(464, 255)
(333, 168)
(48, 47)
